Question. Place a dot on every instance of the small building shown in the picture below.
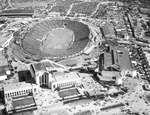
(4, 72)
(108, 31)
(17, 13)
(121, 28)
(110, 75)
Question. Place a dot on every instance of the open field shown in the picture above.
(56, 39)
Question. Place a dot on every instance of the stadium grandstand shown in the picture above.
(43, 40)
(84, 8)
(17, 13)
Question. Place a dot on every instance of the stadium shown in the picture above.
(56, 39)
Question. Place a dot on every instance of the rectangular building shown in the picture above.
(65, 80)
(108, 31)
(19, 97)
(114, 63)
(3, 72)
(116, 59)
(52, 75)
(19, 89)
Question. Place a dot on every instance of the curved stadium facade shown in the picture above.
(35, 39)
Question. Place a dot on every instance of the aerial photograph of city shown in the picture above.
(74, 57)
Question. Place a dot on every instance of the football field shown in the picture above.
(57, 39)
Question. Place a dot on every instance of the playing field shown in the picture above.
(23, 102)
(68, 92)
(57, 39)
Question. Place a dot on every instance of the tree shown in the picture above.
(6, 56)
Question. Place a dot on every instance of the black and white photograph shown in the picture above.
(74, 57)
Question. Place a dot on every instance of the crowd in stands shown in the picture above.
(33, 39)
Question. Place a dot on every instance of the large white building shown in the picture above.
(52, 75)
(19, 97)
(19, 89)
(65, 80)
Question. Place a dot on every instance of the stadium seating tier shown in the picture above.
(32, 43)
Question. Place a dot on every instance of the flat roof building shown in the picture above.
(115, 62)
(61, 77)
(108, 31)
(19, 97)
(116, 59)
(4, 71)
(17, 90)
(65, 79)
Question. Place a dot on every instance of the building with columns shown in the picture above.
(52, 75)
(63, 80)
(42, 76)
(19, 89)
(19, 97)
